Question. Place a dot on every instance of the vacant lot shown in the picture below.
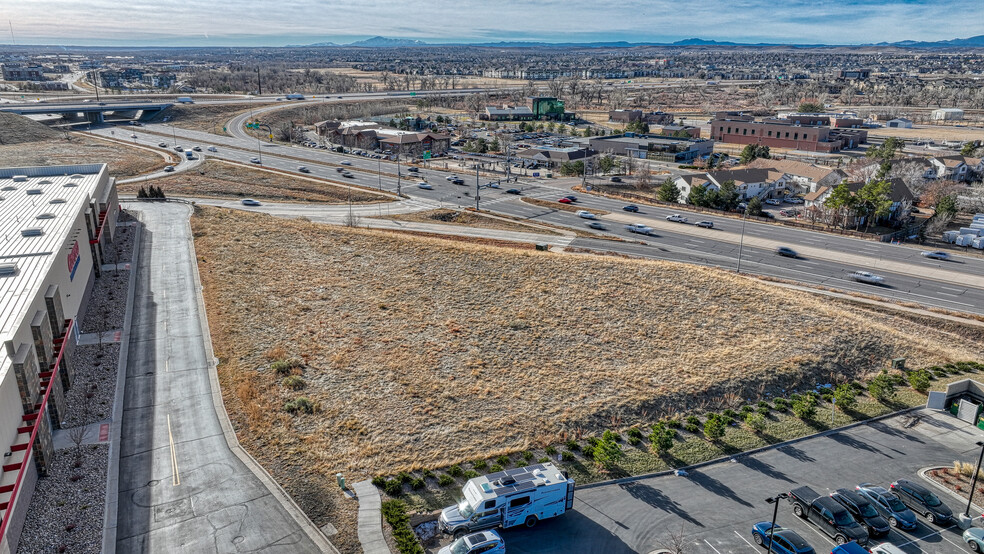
(209, 118)
(73, 148)
(934, 132)
(218, 179)
(418, 352)
(469, 219)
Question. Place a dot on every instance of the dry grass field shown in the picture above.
(217, 179)
(469, 219)
(123, 160)
(209, 118)
(934, 132)
(418, 352)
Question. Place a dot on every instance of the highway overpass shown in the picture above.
(93, 111)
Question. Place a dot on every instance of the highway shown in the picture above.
(826, 259)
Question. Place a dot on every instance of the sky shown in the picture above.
(283, 22)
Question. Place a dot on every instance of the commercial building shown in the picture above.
(367, 135)
(837, 120)
(783, 133)
(507, 113)
(947, 114)
(652, 147)
(17, 72)
(555, 157)
(548, 107)
(899, 123)
(55, 221)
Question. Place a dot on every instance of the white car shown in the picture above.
(169, 168)
(794, 200)
(483, 542)
(585, 214)
(250, 202)
(346, 162)
(425, 186)
(450, 177)
(936, 255)
(705, 224)
(254, 160)
(639, 228)
(773, 202)
(866, 277)
(212, 149)
(133, 135)
(676, 217)
(889, 548)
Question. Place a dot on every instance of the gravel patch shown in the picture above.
(107, 305)
(121, 251)
(67, 515)
(91, 397)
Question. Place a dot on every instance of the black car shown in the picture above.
(786, 251)
(862, 511)
(513, 191)
(571, 198)
(631, 208)
(616, 179)
(920, 500)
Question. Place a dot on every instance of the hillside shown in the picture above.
(17, 129)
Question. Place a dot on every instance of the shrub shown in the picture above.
(480, 464)
(395, 513)
(746, 409)
(634, 432)
(673, 423)
(403, 477)
(882, 387)
(543, 460)
(755, 421)
(781, 404)
(428, 473)
(919, 380)
(693, 420)
(593, 441)
(607, 453)
(567, 456)
(634, 440)
(503, 460)
(284, 367)
(764, 404)
(470, 474)
(795, 396)
(301, 404)
(691, 428)
(551, 451)
(417, 484)
(572, 445)
(393, 487)
(527, 455)
(455, 471)
(611, 436)
(805, 407)
(294, 382)
(588, 452)
(661, 438)
(495, 468)
(379, 481)
(845, 396)
(714, 427)
(445, 480)
(763, 411)
(730, 414)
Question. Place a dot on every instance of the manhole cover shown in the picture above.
(238, 539)
(153, 482)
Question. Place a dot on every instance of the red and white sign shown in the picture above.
(73, 261)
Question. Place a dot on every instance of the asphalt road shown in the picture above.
(714, 507)
(181, 488)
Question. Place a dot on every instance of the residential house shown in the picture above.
(749, 183)
(955, 168)
(900, 194)
(803, 178)
(415, 144)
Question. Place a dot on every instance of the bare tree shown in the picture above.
(77, 435)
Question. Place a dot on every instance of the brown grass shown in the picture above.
(421, 352)
(123, 160)
(224, 180)
(559, 206)
(470, 219)
(209, 118)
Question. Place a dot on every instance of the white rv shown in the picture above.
(521, 496)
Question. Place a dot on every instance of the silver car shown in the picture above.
(867, 277)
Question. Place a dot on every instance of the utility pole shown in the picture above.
(399, 174)
(259, 85)
(477, 186)
(95, 83)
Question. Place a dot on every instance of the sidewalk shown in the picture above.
(370, 519)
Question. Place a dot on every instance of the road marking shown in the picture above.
(821, 535)
(712, 546)
(175, 478)
(940, 533)
(950, 294)
(742, 537)
(955, 290)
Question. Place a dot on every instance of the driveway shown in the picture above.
(713, 509)
(181, 487)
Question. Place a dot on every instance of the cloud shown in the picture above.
(260, 21)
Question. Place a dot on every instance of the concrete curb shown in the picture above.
(750, 452)
(311, 530)
(922, 473)
(116, 427)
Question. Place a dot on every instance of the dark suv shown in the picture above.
(918, 499)
(862, 511)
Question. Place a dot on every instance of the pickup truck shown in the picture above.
(639, 228)
(828, 515)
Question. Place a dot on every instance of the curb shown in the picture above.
(306, 525)
(749, 452)
(116, 428)
(922, 473)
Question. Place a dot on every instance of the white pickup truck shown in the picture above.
(639, 228)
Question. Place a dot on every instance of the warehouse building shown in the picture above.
(54, 222)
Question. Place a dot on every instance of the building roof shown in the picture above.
(518, 110)
(410, 138)
(743, 176)
(899, 193)
(951, 161)
(45, 202)
(813, 196)
(792, 167)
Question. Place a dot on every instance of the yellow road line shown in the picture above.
(175, 478)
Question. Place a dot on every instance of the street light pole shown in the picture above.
(973, 483)
(741, 241)
(174, 136)
(379, 172)
(775, 512)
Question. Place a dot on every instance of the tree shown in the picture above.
(947, 205)
(810, 107)
(805, 407)
(142, 193)
(840, 201)
(874, 201)
(919, 380)
(753, 151)
(637, 127)
(754, 207)
(882, 387)
(697, 196)
(845, 396)
(727, 197)
(970, 148)
(661, 438)
(887, 149)
(572, 168)
(714, 427)
(668, 191)
(607, 453)
(606, 163)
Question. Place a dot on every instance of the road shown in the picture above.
(714, 507)
(826, 259)
(181, 488)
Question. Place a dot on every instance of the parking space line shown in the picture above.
(712, 546)
(940, 533)
(742, 537)
(819, 534)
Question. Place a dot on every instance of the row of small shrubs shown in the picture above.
(395, 513)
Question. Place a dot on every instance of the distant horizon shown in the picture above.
(171, 24)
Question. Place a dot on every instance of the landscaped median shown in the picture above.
(573, 208)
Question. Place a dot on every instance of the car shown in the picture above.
(787, 252)
(133, 135)
(597, 225)
(340, 169)
(565, 200)
(250, 202)
(631, 208)
(346, 162)
(705, 224)
(886, 548)
(888, 506)
(849, 548)
(169, 168)
(639, 228)
(862, 511)
(339, 96)
(867, 277)
(514, 191)
(936, 255)
(457, 181)
(162, 144)
(784, 541)
(303, 169)
(571, 198)
(677, 218)
(616, 179)
(773, 202)
(922, 501)
(585, 214)
(254, 160)
(179, 149)
(974, 537)
(348, 175)
(212, 149)
(197, 148)
(451, 177)
(411, 169)
(425, 186)
(492, 185)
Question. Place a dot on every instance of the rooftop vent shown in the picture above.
(19, 178)
(32, 232)
(8, 269)
(45, 182)
(57, 201)
(9, 187)
(70, 184)
(34, 191)
(46, 216)
(75, 176)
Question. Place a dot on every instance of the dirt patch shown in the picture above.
(217, 179)
(210, 118)
(17, 129)
(417, 352)
(469, 219)
(560, 206)
(123, 160)
(933, 132)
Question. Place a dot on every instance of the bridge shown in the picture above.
(93, 111)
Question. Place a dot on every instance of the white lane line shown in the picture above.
(742, 537)
(712, 546)
(940, 533)
(955, 290)
(951, 294)
(819, 534)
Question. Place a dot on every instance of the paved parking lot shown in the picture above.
(715, 507)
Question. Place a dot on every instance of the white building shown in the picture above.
(947, 114)
(54, 222)
(899, 123)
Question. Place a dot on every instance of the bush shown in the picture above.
(693, 420)
(417, 484)
(714, 427)
(284, 367)
(730, 414)
(611, 436)
(527, 455)
(445, 480)
(543, 460)
(428, 473)
(301, 404)
(661, 438)
(805, 407)
(746, 409)
(495, 468)
(470, 474)
(919, 380)
(480, 464)
(395, 513)
(294, 382)
(781, 404)
(755, 421)
(404, 477)
(503, 460)
(551, 451)
(572, 445)
(691, 428)
(592, 441)
(567, 456)
(607, 452)
(764, 404)
(634, 440)
(379, 481)
(455, 471)
(673, 423)
(845, 396)
(634, 432)
(764, 411)
(393, 488)
(882, 387)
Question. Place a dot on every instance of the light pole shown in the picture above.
(973, 483)
(379, 172)
(774, 500)
(741, 241)
(174, 136)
